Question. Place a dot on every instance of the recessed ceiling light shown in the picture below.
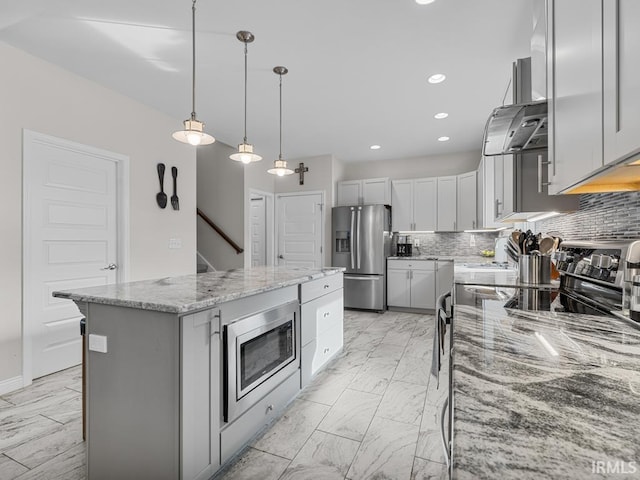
(375, 147)
(437, 78)
(441, 115)
(424, 2)
(443, 139)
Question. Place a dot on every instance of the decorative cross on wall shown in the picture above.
(301, 169)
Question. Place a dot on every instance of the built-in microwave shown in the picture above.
(260, 351)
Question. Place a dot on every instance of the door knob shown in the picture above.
(111, 266)
(281, 256)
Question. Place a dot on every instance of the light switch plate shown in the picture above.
(98, 343)
(175, 243)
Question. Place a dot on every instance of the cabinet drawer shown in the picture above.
(411, 264)
(321, 314)
(321, 286)
(328, 344)
(236, 435)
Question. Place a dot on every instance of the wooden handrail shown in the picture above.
(209, 222)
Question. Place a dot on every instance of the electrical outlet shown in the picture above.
(472, 240)
(416, 242)
(98, 343)
(175, 243)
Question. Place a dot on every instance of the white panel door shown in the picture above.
(70, 215)
(258, 231)
(402, 205)
(300, 230)
(425, 204)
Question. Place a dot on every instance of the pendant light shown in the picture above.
(193, 132)
(280, 165)
(245, 151)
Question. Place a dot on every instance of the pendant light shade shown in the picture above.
(245, 150)
(193, 132)
(280, 166)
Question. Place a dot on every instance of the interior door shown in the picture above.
(70, 226)
(258, 231)
(300, 229)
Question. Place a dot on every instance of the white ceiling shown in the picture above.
(357, 68)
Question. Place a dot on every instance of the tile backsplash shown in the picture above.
(454, 244)
(602, 216)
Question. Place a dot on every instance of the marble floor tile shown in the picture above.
(44, 386)
(386, 452)
(374, 376)
(387, 350)
(66, 411)
(366, 341)
(395, 337)
(426, 470)
(351, 415)
(41, 449)
(403, 402)
(49, 402)
(254, 464)
(10, 469)
(69, 465)
(324, 456)
(291, 431)
(413, 370)
(431, 417)
(17, 430)
(349, 361)
(438, 392)
(430, 446)
(327, 387)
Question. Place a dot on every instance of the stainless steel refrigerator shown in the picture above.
(361, 244)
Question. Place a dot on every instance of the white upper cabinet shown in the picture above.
(447, 200)
(402, 205)
(467, 201)
(621, 36)
(364, 192)
(425, 204)
(414, 204)
(575, 85)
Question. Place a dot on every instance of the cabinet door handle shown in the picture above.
(473, 224)
(326, 286)
(541, 184)
(326, 314)
(498, 203)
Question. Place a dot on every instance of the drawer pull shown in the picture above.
(269, 408)
(326, 285)
(326, 350)
(326, 314)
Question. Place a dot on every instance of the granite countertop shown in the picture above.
(543, 395)
(194, 292)
(498, 278)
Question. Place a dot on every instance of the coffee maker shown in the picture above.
(404, 246)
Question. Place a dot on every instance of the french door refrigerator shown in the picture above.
(361, 244)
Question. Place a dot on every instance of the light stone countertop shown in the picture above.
(195, 292)
(543, 394)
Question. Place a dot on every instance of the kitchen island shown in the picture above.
(541, 393)
(184, 371)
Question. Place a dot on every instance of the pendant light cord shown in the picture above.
(193, 60)
(280, 156)
(245, 92)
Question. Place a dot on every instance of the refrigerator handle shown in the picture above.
(351, 241)
(358, 239)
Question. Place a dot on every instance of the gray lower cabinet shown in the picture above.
(322, 313)
(155, 398)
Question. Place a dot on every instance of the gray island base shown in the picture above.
(182, 372)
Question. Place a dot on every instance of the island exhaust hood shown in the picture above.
(521, 127)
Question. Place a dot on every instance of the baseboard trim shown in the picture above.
(11, 384)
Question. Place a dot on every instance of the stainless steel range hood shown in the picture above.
(521, 127)
(516, 129)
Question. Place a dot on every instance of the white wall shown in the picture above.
(318, 178)
(428, 166)
(39, 96)
(220, 183)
